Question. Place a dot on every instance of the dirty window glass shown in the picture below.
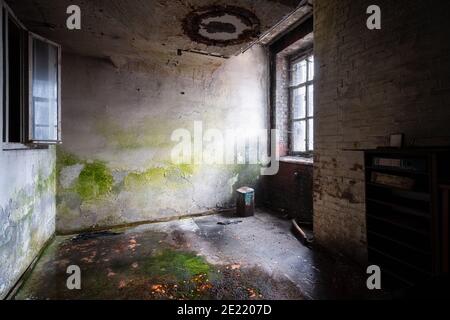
(45, 99)
(302, 105)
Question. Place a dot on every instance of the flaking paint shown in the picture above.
(123, 118)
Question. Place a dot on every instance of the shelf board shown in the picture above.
(400, 225)
(409, 194)
(400, 208)
(407, 264)
(396, 170)
(401, 243)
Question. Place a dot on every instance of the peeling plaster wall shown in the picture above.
(115, 167)
(136, 28)
(370, 84)
(27, 210)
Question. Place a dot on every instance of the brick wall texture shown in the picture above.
(282, 103)
(370, 84)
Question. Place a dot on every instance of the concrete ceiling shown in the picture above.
(153, 29)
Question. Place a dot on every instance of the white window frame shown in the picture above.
(27, 141)
(31, 139)
(306, 84)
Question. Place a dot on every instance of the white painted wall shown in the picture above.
(124, 117)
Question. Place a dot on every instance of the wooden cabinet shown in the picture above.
(290, 190)
(407, 212)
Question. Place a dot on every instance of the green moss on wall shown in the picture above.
(65, 159)
(186, 169)
(152, 175)
(22, 206)
(94, 181)
(37, 240)
(167, 175)
(45, 183)
(24, 200)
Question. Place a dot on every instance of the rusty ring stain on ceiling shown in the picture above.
(221, 25)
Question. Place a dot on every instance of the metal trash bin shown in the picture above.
(245, 206)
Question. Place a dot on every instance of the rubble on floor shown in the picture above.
(188, 259)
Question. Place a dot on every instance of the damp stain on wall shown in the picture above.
(221, 26)
(27, 211)
(94, 194)
(115, 165)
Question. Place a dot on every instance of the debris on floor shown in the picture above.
(302, 233)
(189, 259)
(228, 222)
(93, 235)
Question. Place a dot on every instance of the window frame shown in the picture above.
(31, 37)
(6, 15)
(292, 60)
(26, 122)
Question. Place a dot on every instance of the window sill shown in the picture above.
(20, 147)
(297, 160)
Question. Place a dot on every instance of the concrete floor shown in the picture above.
(258, 258)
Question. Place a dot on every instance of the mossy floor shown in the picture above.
(189, 259)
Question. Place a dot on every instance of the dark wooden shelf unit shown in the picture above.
(407, 212)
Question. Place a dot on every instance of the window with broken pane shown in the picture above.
(302, 105)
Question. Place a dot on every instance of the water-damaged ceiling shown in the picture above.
(144, 29)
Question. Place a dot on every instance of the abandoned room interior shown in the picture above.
(223, 149)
